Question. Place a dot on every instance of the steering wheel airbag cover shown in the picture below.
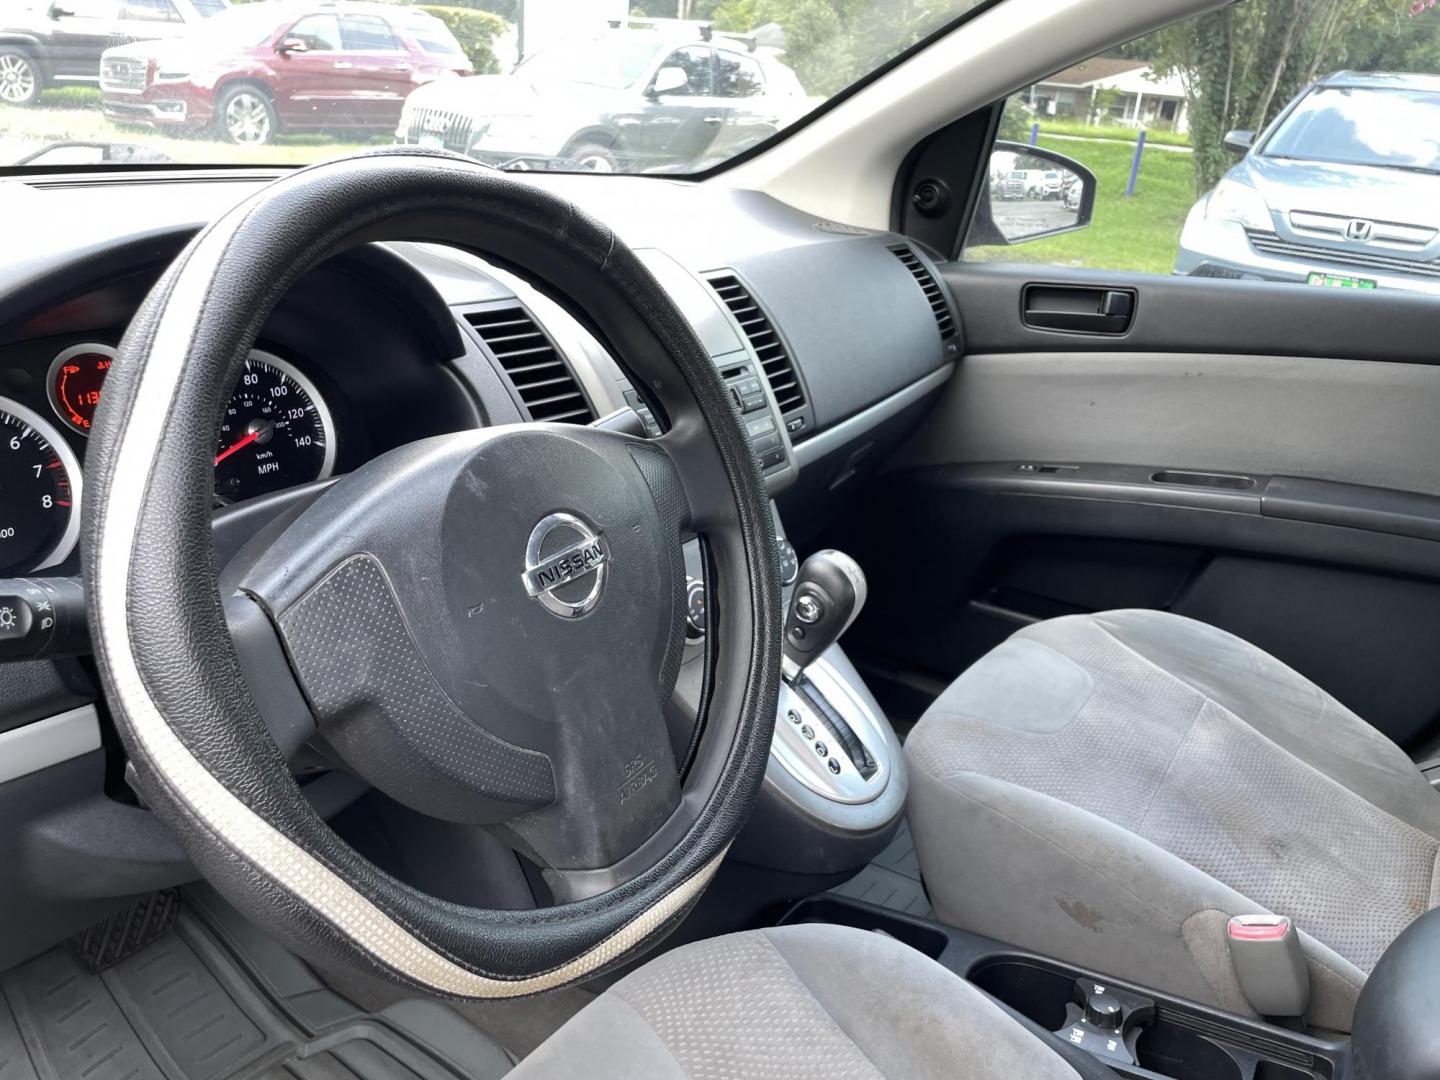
(204, 759)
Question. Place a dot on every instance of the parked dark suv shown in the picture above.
(283, 66)
(44, 43)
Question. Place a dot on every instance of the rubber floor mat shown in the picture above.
(891, 880)
(191, 1006)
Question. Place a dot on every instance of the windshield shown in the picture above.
(1360, 126)
(571, 85)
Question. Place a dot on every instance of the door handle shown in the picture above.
(714, 119)
(343, 65)
(1078, 309)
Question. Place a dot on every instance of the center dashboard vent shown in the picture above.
(934, 295)
(769, 349)
(536, 369)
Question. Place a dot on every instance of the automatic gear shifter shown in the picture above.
(829, 593)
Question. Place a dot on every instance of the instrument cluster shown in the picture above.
(277, 431)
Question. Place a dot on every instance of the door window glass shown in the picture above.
(150, 11)
(737, 76)
(320, 33)
(368, 33)
(1247, 143)
(694, 60)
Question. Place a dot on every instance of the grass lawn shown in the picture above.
(1111, 131)
(1140, 234)
(73, 113)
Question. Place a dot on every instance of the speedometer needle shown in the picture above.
(246, 441)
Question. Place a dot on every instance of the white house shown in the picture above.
(1127, 91)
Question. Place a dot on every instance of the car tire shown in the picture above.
(594, 156)
(245, 116)
(20, 77)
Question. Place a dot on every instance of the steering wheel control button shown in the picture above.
(793, 716)
(834, 766)
(822, 749)
(565, 565)
(807, 731)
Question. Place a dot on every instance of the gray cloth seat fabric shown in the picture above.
(1109, 789)
(795, 1003)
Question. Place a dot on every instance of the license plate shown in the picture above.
(1338, 281)
(435, 142)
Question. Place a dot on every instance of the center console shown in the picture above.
(835, 786)
(1136, 1033)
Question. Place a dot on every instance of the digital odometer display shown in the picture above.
(39, 492)
(76, 376)
(276, 432)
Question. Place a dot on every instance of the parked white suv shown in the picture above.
(622, 101)
(44, 42)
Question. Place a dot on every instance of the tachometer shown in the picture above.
(276, 432)
(39, 492)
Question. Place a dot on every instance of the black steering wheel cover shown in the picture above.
(159, 630)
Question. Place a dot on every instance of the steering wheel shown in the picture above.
(486, 626)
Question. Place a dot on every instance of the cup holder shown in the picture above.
(1174, 1051)
(1036, 993)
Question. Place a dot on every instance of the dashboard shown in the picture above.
(832, 341)
(810, 322)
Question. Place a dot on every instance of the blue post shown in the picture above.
(1135, 165)
(1035, 133)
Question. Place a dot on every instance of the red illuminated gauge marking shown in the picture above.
(74, 383)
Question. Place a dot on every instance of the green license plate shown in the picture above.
(1338, 281)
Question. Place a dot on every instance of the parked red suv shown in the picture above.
(283, 65)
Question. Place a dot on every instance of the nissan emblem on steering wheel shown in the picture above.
(565, 565)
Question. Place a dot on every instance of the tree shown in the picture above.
(831, 43)
(1241, 65)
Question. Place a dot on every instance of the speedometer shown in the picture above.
(39, 492)
(276, 431)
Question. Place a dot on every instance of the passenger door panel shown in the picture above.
(1262, 458)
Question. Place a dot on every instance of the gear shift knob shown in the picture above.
(829, 593)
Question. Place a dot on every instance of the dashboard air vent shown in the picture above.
(933, 294)
(536, 369)
(770, 350)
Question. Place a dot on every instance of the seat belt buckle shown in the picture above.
(1269, 965)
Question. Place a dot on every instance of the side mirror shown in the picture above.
(669, 80)
(292, 45)
(1239, 142)
(56, 12)
(1032, 192)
